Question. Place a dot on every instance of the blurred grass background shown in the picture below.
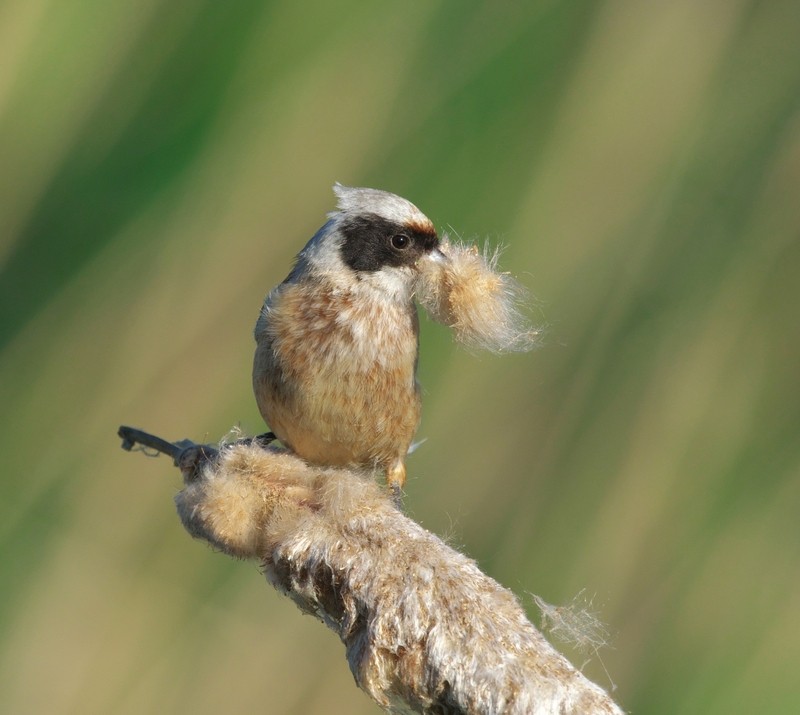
(162, 162)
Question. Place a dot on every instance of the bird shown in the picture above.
(337, 342)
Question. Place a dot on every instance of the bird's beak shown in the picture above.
(437, 256)
(433, 262)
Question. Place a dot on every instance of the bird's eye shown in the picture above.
(400, 241)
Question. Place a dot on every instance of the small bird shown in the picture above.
(334, 372)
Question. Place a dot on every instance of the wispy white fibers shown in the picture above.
(424, 629)
(482, 305)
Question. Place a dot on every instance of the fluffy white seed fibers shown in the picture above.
(482, 305)
(424, 629)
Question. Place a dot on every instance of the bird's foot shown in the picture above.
(260, 440)
(396, 493)
(396, 478)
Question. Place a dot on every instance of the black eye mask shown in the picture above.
(372, 242)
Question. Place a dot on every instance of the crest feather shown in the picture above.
(357, 200)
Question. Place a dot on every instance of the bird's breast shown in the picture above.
(335, 374)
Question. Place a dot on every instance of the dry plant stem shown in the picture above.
(132, 436)
(424, 629)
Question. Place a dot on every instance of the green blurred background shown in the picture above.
(161, 163)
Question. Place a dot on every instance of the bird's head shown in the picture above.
(375, 239)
